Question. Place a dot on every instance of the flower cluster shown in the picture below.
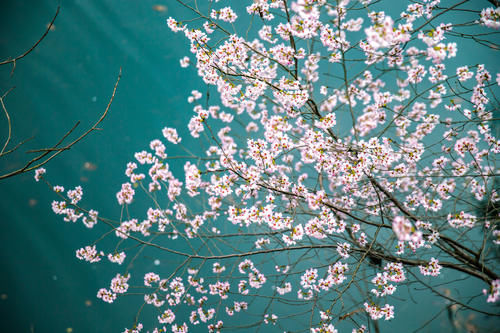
(494, 292)
(432, 268)
(89, 253)
(325, 328)
(126, 195)
(490, 17)
(39, 173)
(119, 283)
(376, 312)
(383, 287)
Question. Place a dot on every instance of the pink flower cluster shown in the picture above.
(89, 253)
(75, 195)
(126, 195)
(119, 283)
(432, 268)
(490, 17)
(494, 292)
(376, 312)
(325, 328)
(39, 173)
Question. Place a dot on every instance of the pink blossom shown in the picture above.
(106, 295)
(89, 253)
(491, 17)
(184, 62)
(39, 173)
(126, 195)
(167, 317)
(432, 268)
(494, 292)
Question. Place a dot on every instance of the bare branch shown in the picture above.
(49, 153)
(13, 61)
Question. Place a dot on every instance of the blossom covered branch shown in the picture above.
(350, 153)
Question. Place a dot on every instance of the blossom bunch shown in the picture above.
(433, 268)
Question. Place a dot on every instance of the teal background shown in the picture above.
(69, 77)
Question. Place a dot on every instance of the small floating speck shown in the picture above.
(157, 262)
(160, 8)
(4, 297)
(69, 330)
(89, 166)
(88, 302)
(54, 277)
(94, 99)
(52, 27)
(32, 202)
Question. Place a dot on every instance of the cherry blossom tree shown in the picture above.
(348, 166)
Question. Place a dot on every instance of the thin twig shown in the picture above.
(56, 151)
(13, 61)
